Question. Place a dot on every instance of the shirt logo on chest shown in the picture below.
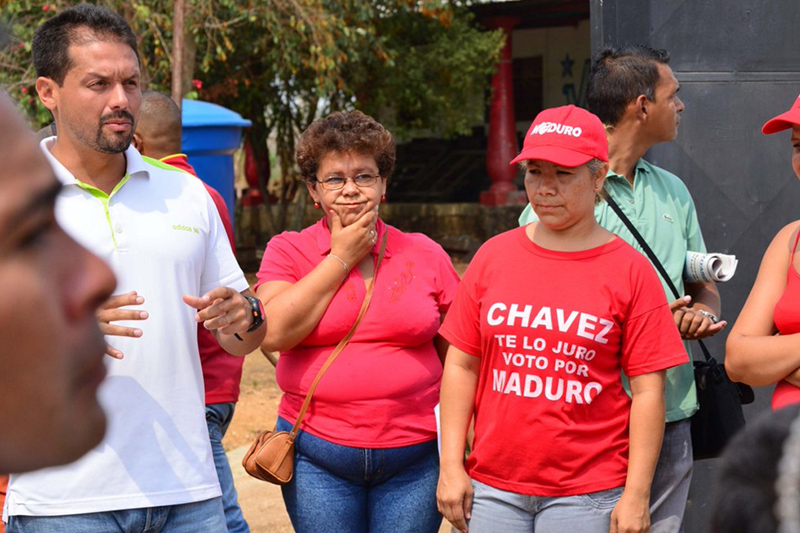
(188, 229)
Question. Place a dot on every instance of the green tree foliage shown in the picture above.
(151, 22)
(435, 76)
(416, 65)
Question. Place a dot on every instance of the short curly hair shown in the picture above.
(347, 131)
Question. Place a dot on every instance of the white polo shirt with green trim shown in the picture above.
(162, 236)
(661, 208)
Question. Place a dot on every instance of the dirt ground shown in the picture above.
(258, 402)
(261, 502)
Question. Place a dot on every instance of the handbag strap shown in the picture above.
(647, 250)
(653, 257)
(343, 342)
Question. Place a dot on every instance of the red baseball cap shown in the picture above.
(568, 136)
(784, 121)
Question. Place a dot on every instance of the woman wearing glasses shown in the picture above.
(366, 457)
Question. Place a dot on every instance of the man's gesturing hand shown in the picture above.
(111, 311)
(222, 309)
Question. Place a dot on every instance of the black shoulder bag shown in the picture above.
(720, 415)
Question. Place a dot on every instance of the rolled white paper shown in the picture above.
(709, 267)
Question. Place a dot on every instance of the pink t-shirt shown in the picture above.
(554, 330)
(381, 390)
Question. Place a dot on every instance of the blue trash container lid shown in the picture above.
(195, 113)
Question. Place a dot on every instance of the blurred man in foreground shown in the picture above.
(51, 348)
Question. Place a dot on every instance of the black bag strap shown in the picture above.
(653, 258)
(647, 250)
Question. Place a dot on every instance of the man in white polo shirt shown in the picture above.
(161, 234)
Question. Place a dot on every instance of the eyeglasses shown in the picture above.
(334, 183)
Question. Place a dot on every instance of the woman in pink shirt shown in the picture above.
(366, 457)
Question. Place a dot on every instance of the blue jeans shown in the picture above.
(362, 490)
(218, 418)
(205, 516)
(495, 510)
(670, 488)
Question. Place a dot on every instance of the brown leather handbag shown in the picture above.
(271, 457)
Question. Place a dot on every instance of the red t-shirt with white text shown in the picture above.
(554, 330)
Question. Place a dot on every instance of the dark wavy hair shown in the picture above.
(347, 131)
(744, 490)
(619, 75)
(79, 24)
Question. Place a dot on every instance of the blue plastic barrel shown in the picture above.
(211, 134)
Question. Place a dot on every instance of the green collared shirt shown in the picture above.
(661, 208)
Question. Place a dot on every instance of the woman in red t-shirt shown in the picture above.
(755, 354)
(366, 457)
(546, 318)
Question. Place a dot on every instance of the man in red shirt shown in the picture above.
(158, 135)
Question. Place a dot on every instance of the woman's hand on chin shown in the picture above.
(352, 242)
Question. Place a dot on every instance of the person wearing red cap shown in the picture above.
(634, 92)
(544, 321)
(764, 346)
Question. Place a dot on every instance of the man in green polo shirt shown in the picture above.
(634, 92)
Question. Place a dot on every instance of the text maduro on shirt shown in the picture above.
(545, 367)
